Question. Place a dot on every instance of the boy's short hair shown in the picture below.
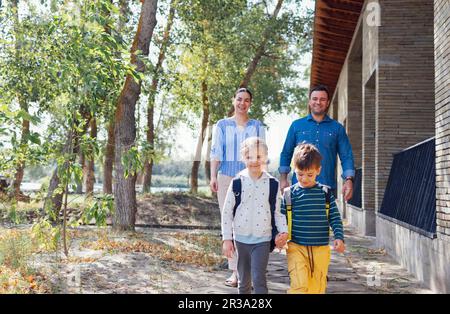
(307, 156)
(254, 145)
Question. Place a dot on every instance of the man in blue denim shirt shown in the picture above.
(328, 136)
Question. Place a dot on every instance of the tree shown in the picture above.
(239, 43)
(124, 13)
(125, 128)
(208, 71)
(157, 70)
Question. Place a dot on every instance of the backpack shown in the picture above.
(237, 189)
(288, 203)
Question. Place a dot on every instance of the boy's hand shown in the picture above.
(280, 240)
(228, 248)
(339, 246)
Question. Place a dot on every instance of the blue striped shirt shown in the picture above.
(310, 225)
(226, 143)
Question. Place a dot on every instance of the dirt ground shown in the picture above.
(178, 209)
(160, 258)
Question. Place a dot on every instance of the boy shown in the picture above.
(308, 252)
(250, 223)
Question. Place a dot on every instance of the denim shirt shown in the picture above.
(329, 137)
(227, 140)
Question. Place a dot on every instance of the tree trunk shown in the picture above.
(23, 142)
(90, 164)
(82, 161)
(109, 160)
(77, 149)
(108, 165)
(251, 68)
(23, 106)
(198, 152)
(148, 166)
(125, 129)
(53, 201)
(208, 155)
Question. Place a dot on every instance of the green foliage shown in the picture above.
(13, 215)
(222, 38)
(102, 208)
(132, 161)
(45, 236)
(15, 249)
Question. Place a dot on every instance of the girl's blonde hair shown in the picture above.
(254, 145)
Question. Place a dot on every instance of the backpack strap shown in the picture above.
(288, 203)
(327, 190)
(273, 194)
(237, 191)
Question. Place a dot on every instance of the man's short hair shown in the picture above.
(307, 156)
(320, 88)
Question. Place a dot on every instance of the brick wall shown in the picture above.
(442, 86)
(405, 108)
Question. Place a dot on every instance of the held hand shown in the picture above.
(228, 248)
(347, 190)
(284, 183)
(339, 246)
(213, 184)
(280, 240)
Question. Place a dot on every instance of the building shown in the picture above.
(387, 65)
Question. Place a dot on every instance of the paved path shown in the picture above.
(363, 268)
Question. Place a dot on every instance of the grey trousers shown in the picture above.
(252, 260)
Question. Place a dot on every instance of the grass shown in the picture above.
(16, 276)
(177, 253)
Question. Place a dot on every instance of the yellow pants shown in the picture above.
(308, 268)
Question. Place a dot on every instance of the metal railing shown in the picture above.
(410, 196)
(356, 199)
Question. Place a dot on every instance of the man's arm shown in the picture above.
(347, 162)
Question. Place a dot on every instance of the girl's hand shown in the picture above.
(280, 240)
(228, 248)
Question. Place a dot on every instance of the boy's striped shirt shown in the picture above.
(310, 225)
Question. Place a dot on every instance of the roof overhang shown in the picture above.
(334, 25)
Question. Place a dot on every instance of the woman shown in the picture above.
(226, 163)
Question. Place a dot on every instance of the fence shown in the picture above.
(356, 199)
(410, 196)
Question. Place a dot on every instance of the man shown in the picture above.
(328, 136)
